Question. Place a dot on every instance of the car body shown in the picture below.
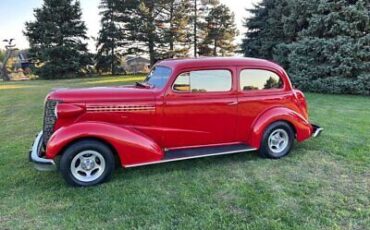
(186, 108)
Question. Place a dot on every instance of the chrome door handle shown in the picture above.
(233, 103)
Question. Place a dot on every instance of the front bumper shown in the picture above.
(41, 164)
(316, 130)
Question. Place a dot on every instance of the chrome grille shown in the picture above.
(49, 120)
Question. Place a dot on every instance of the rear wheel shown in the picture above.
(277, 140)
(87, 163)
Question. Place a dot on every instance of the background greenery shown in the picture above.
(323, 184)
(159, 29)
(324, 44)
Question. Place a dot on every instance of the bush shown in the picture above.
(335, 85)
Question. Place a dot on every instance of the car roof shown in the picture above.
(217, 62)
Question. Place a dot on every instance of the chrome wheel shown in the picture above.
(88, 166)
(278, 141)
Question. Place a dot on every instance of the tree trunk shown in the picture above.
(151, 51)
(195, 27)
(215, 48)
(4, 72)
(113, 70)
(172, 38)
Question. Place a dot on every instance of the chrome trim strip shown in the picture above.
(192, 157)
(119, 108)
(41, 164)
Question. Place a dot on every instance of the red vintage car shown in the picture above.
(185, 108)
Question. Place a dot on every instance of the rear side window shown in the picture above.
(202, 81)
(257, 79)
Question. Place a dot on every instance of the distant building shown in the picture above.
(136, 64)
(24, 61)
(21, 60)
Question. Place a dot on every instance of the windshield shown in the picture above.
(158, 77)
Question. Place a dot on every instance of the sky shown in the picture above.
(14, 13)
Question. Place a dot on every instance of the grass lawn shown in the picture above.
(323, 184)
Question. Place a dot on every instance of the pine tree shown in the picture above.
(295, 19)
(200, 9)
(176, 17)
(220, 32)
(333, 52)
(111, 39)
(145, 26)
(265, 28)
(56, 39)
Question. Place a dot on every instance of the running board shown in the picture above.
(192, 153)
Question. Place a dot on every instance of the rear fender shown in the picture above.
(301, 126)
(132, 146)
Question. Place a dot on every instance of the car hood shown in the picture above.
(102, 94)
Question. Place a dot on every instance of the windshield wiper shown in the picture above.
(143, 85)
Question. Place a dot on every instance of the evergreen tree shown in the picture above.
(295, 19)
(145, 26)
(220, 32)
(266, 28)
(56, 39)
(176, 18)
(333, 52)
(200, 9)
(112, 36)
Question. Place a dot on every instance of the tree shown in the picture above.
(200, 10)
(176, 17)
(333, 53)
(144, 26)
(220, 32)
(2, 55)
(6, 57)
(265, 28)
(112, 36)
(271, 83)
(56, 39)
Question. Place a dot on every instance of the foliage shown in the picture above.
(322, 184)
(112, 37)
(2, 55)
(324, 44)
(175, 28)
(144, 26)
(220, 30)
(335, 48)
(265, 29)
(200, 9)
(56, 39)
(163, 29)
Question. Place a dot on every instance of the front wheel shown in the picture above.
(277, 140)
(87, 163)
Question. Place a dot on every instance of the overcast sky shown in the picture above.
(14, 13)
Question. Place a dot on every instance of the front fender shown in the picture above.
(132, 146)
(301, 126)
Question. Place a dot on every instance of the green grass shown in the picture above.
(323, 184)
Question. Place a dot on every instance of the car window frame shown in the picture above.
(203, 93)
(260, 91)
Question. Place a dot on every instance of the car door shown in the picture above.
(260, 89)
(200, 108)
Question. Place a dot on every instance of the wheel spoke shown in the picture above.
(278, 141)
(88, 166)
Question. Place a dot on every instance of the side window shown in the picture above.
(204, 81)
(257, 79)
